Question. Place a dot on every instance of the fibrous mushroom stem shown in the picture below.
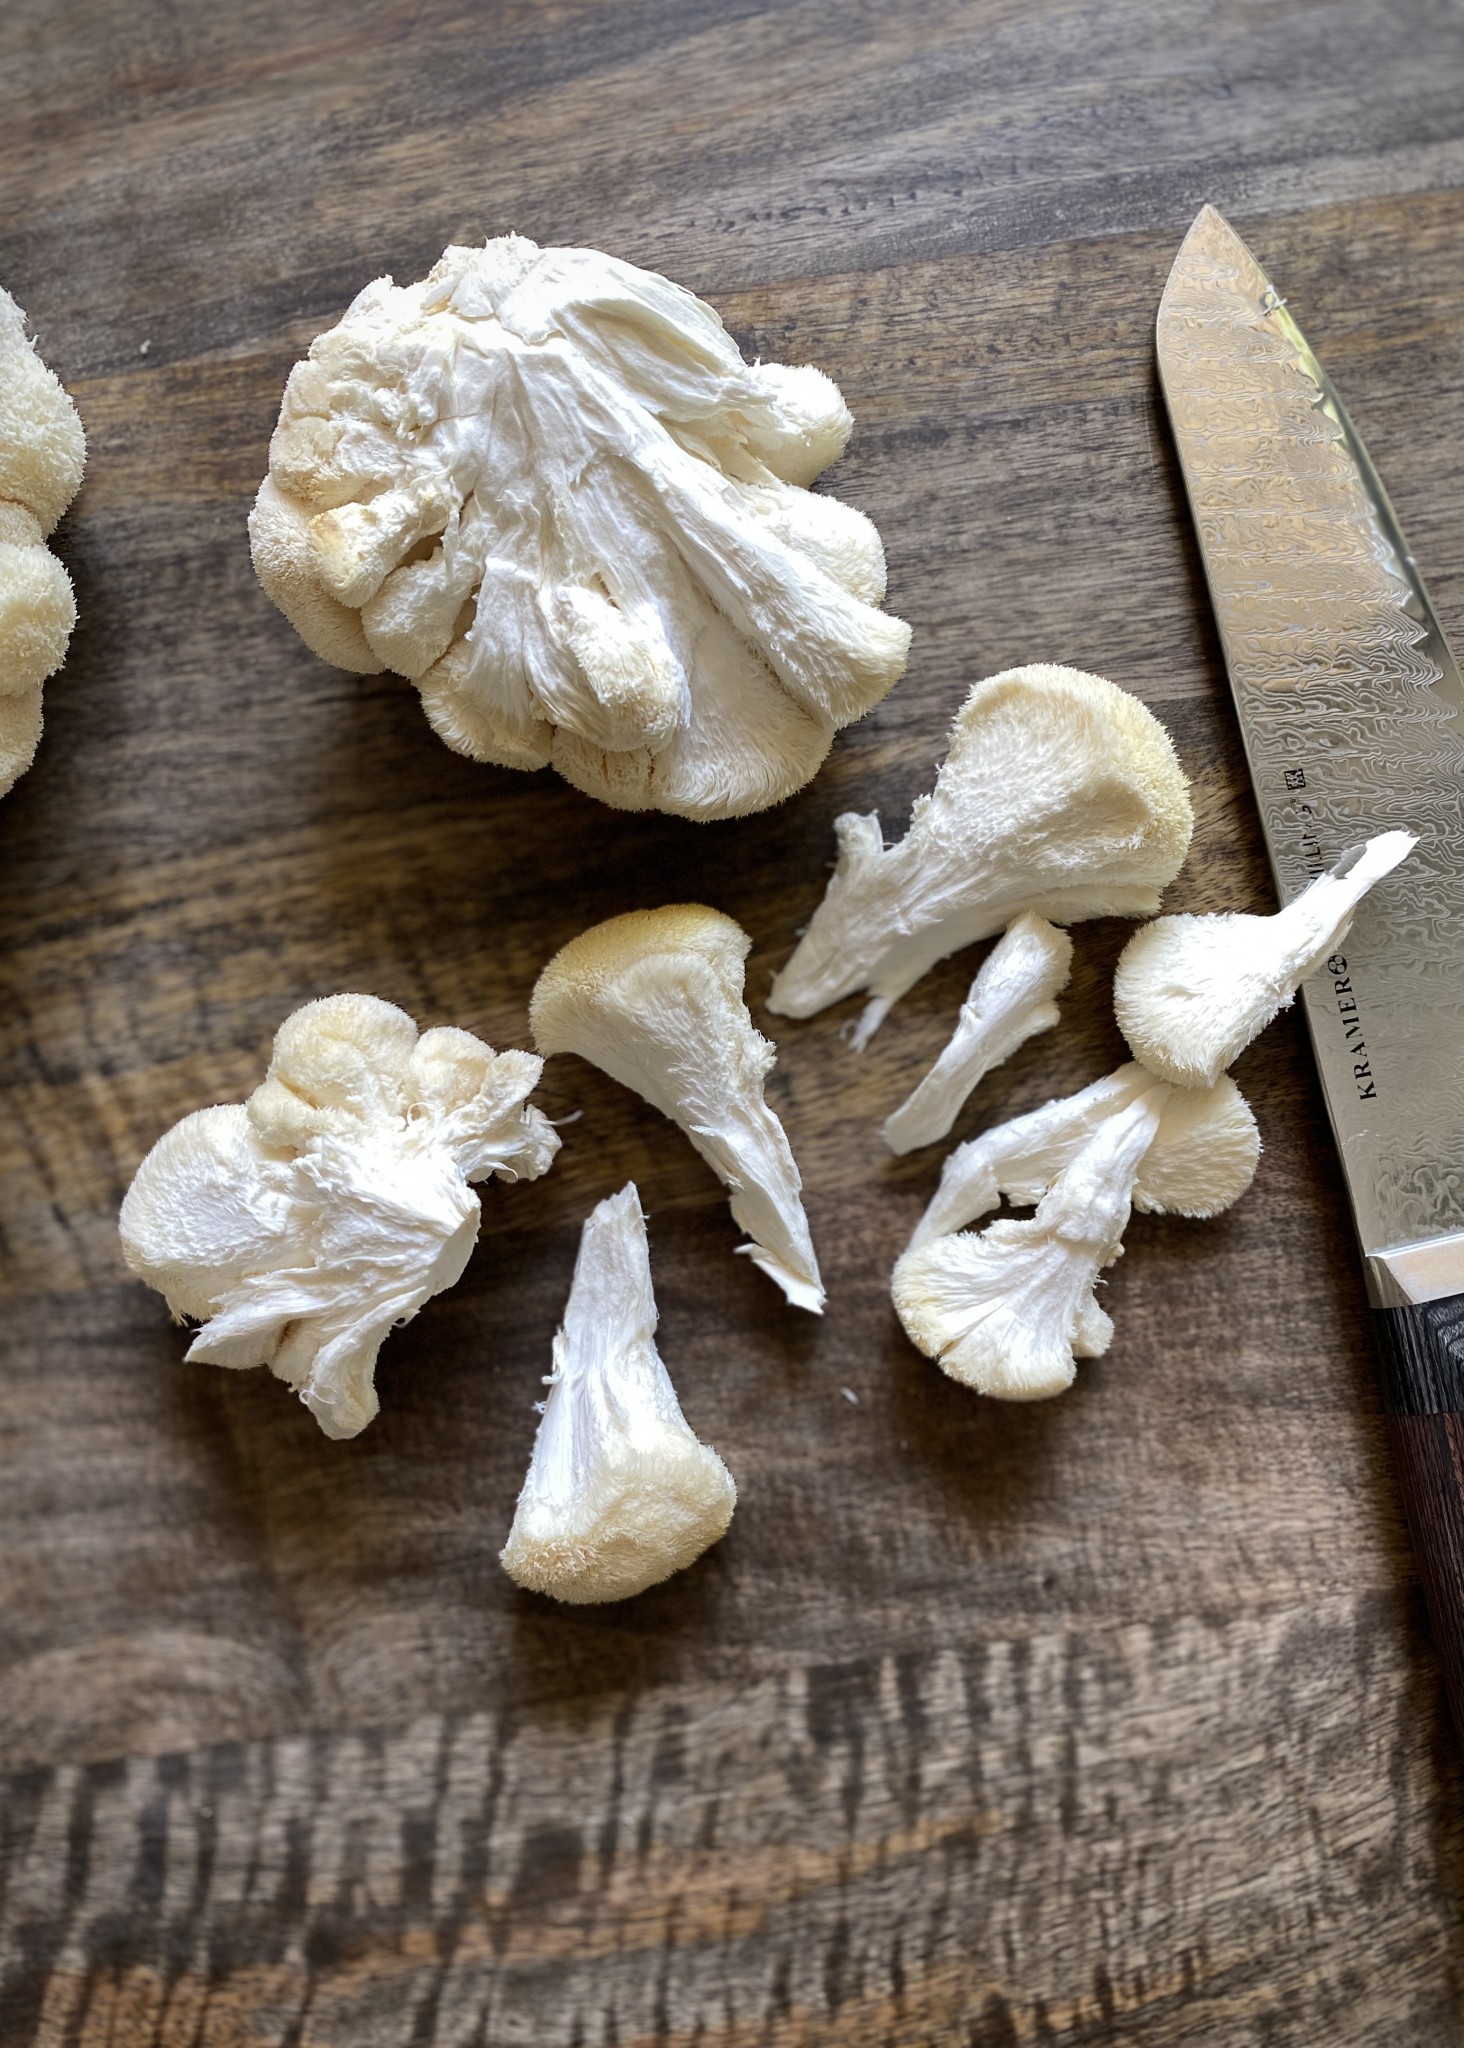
(1203, 1156)
(1010, 1001)
(1008, 1311)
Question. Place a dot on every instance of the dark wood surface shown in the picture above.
(1113, 1720)
(1421, 1356)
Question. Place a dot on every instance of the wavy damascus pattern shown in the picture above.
(1350, 704)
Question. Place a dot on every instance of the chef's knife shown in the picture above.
(1352, 711)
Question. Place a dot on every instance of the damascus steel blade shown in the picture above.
(1352, 712)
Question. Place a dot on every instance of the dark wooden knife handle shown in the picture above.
(1423, 1392)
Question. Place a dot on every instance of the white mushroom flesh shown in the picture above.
(1010, 1001)
(1008, 1310)
(42, 455)
(1202, 1159)
(545, 485)
(299, 1228)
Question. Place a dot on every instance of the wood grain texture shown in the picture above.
(1111, 1721)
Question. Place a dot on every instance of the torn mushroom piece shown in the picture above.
(1060, 794)
(301, 1226)
(1202, 1158)
(1009, 1309)
(544, 485)
(655, 999)
(1011, 1000)
(42, 455)
(620, 1494)
(1190, 993)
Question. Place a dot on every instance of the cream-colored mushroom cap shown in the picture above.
(620, 1493)
(1204, 1154)
(655, 999)
(544, 485)
(1061, 794)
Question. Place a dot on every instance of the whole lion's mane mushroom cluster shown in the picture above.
(546, 487)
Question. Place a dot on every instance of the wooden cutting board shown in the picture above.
(1110, 1720)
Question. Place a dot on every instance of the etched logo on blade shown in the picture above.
(1362, 1072)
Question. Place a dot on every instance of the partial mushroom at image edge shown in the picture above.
(42, 456)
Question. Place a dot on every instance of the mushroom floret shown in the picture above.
(1008, 1310)
(1010, 1001)
(620, 1494)
(1060, 794)
(655, 999)
(1203, 1156)
(301, 1226)
(42, 455)
(1190, 993)
(544, 485)
(1021, 1158)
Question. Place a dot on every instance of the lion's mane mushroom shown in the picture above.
(1060, 794)
(620, 1494)
(1190, 993)
(299, 1227)
(1008, 1310)
(545, 485)
(42, 455)
(655, 999)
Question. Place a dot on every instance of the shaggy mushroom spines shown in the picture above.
(620, 1493)
(1060, 794)
(593, 960)
(1008, 1309)
(1203, 1156)
(42, 457)
(280, 546)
